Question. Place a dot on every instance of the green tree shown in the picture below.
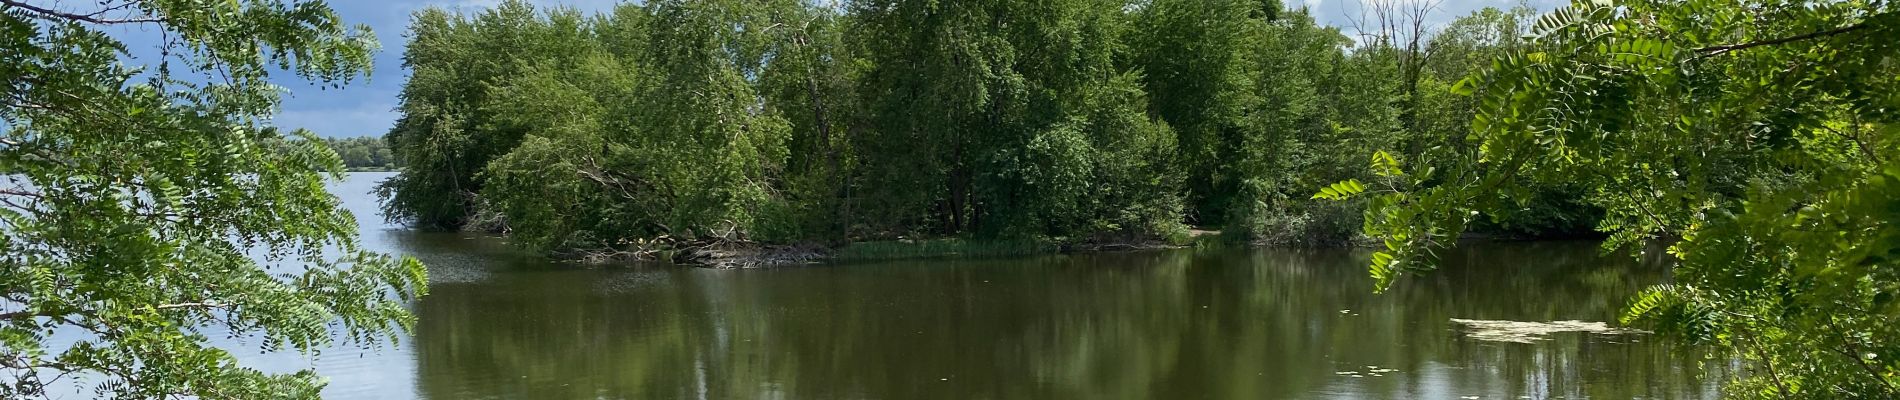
(811, 81)
(1755, 137)
(1194, 55)
(1008, 119)
(444, 137)
(1317, 101)
(149, 205)
(646, 122)
(362, 152)
(1265, 101)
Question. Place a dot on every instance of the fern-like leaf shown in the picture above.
(1385, 165)
(1341, 191)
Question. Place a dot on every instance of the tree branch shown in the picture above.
(1717, 50)
(56, 15)
(31, 314)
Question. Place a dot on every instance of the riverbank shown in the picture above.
(745, 254)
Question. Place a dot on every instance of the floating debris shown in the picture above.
(1532, 332)
(1371, 371)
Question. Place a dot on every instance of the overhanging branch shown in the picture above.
(1717, 50)
(56, 15)
(30, 314)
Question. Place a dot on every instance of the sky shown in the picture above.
(367, 107)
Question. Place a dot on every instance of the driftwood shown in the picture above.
(728, 255)
(731, 249)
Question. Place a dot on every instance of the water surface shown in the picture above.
(1232, 324)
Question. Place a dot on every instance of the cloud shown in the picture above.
(1341, 12)
(371, 118)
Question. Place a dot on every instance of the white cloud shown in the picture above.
(371, 118)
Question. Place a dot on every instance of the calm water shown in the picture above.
(1240, 324)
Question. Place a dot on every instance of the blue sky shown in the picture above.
(367, 107)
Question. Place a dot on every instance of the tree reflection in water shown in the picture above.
(1265, 323)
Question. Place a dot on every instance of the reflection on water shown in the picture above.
(1179, 324)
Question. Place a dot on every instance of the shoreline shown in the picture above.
(750, 255)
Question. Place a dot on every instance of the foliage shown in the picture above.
(363, 153)
(790, 121)
(446, 135)
(1755, 136)
(552, 124)
(1008, 119)
(148, 206)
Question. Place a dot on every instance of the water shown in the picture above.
(1239, 324)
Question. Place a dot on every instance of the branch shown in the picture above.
(1717, 50)
(56, 15)
(1853, 352)
(30, 314)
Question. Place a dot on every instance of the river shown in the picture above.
(1184, 324)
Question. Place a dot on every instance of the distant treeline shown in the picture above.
(363, 153)
(789, 121)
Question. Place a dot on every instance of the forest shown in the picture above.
(1084, 121)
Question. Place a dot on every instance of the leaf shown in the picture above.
(1385, 165)
(1464, 86)
(1341, 191)
(1384, 270)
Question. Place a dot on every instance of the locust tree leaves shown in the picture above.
(1757, 138)
(148, 204)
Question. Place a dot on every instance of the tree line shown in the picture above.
(366, 153)
(789, 121)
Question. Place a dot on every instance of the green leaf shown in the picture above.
(1341, 190)
(1384, 165)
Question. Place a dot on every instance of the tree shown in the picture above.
(1264, 101)
(644, 123)
(1008, 119)
(1755, 138)
(148, 206)
(811, 80)
(444, 137)
(1194, 57)
(362, 152)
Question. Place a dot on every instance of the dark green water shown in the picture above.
(1235, 324)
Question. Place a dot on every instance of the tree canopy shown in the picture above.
(363, 153)
(147, 206)
(792, 121)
